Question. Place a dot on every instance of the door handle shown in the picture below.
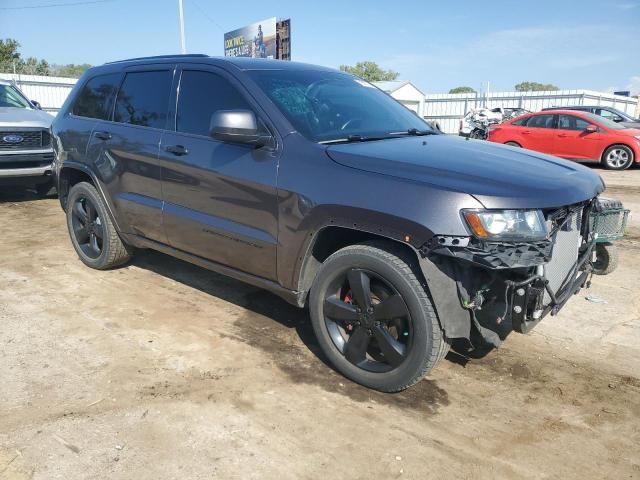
(177, 150)
(103, 135)
(526, 132)
(562, 135)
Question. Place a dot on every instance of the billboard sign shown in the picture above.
(257, 40)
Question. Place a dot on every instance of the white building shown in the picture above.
(406, 93)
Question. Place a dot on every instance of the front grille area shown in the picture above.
(31, 139)
(25, 161)
(565, 253)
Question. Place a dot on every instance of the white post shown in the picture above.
(183, 43)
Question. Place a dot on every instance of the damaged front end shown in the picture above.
(510, 284)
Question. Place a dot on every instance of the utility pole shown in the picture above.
(183, 43)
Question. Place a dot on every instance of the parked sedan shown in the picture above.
(572, 135)
(609, 113)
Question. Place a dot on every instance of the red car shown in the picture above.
(573, 135)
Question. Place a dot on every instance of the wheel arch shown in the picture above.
(622, 144)
(440, 285)
(73, 173)
(330, 239)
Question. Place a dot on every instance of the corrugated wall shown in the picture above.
(50, 92)
(448, 109)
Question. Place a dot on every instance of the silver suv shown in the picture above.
(26, 155)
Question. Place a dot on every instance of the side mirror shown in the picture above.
(591, 129)
(617, 119)
(237, 126)
(36, 104)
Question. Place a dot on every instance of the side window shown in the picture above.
(95, 99)
(540, 121)
(521, 122)
(609, 115)
(143, 99)
(569, 122)
(202, 94)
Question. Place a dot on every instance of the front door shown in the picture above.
(539, 133)
(125, 150)
(574, 141)
(220, 198)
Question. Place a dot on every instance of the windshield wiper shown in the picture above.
(352, 139)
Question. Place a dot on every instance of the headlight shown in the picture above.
(525, 225)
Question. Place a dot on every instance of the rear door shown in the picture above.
(574, 141)
(220, 198)
(125, 149)
(539, 133)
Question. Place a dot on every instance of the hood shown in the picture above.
(24, 117)
(635, 125)
(496, 175)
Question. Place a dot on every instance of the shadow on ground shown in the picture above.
(268, 324)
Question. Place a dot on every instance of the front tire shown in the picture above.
(617, 157)
(373, 318)
(92, 233)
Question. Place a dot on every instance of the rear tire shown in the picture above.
(513, 144)
(617, 157)
(356, 334)
(92, 233)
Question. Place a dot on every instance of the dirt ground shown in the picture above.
(163, 370)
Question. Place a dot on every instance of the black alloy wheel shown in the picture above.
(368, 321)
(87, 226)
(373, 316)
(93, 235)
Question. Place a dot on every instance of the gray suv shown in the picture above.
(26, 155)
(321, 188)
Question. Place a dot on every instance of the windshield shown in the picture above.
(10, 97)
(327, 106)
(605, 122)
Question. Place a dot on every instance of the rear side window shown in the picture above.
(521, 122)
(95, 99)
(143, 99)
(569, 122)
(540, 121)
(201, 95)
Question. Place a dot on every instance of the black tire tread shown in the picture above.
(119, 252)
(388, 253)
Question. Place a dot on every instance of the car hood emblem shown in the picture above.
(12, 139)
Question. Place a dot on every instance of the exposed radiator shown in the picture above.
(565, 254)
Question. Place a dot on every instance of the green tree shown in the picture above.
(370, 71)
(462, 90)
(71, 70)
(535, 87)
(9, 54)
(33, 66)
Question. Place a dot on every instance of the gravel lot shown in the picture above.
(163, 370)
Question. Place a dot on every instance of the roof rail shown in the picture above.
(159, 57)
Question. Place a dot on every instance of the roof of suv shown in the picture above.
(238, 62)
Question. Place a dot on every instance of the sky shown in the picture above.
(588, 44)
